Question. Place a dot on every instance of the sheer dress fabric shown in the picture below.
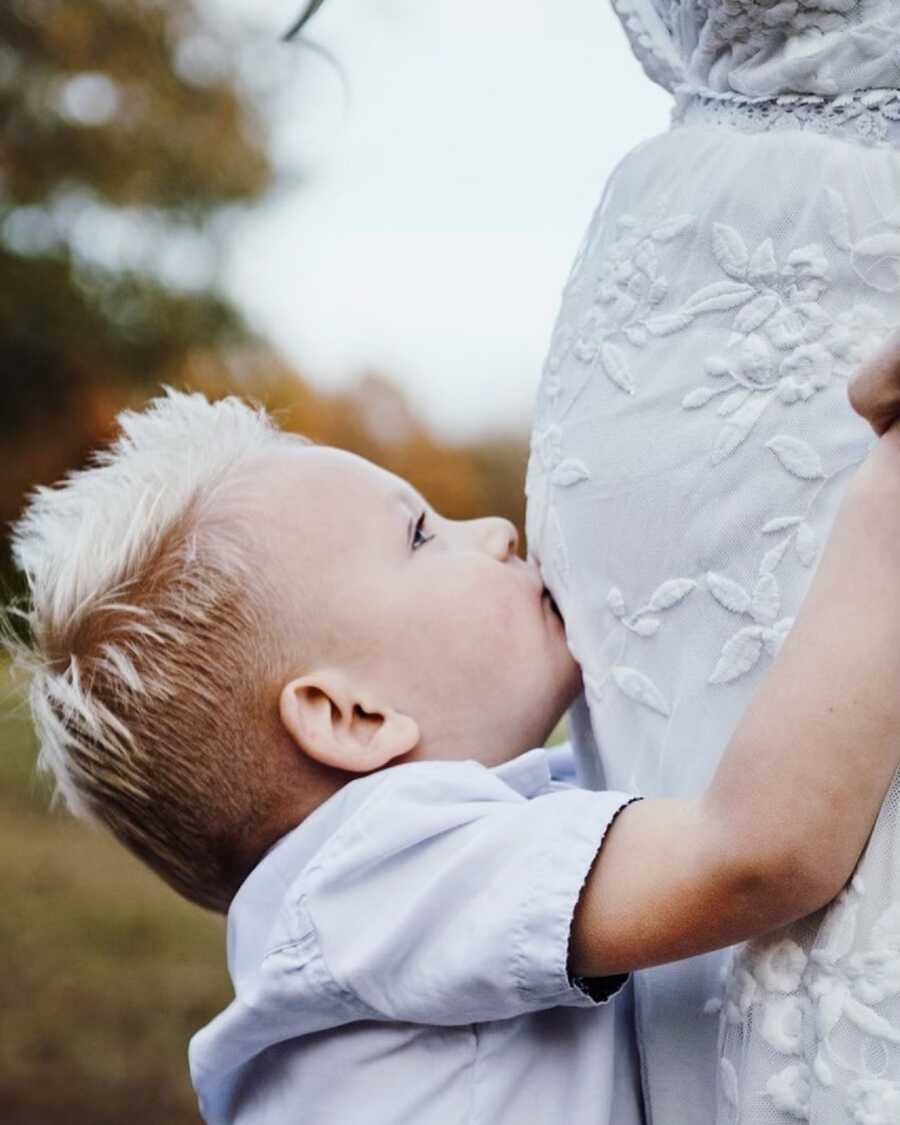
(692, 442)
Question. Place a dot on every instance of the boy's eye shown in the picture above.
(419, 535)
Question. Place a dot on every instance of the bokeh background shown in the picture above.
(367, 233)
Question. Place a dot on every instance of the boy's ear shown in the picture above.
(340, 726)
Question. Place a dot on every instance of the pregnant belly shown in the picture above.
(693, 438)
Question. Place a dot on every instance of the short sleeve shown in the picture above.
(448, 897)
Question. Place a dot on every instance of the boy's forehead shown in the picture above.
(317, 468)
(317, 517)
(316, 499)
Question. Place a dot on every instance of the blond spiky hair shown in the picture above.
(148, 650)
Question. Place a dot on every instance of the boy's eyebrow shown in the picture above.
(409, 498)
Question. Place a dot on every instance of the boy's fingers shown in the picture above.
(875, 389)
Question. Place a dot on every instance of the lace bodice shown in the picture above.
(764, 48)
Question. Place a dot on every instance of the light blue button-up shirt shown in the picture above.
(401, 957)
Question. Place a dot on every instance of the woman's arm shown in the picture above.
(782, 825)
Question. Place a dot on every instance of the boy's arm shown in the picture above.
(782, 825)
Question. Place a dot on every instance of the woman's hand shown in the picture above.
(875, 389)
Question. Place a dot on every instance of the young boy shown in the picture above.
(305, 698)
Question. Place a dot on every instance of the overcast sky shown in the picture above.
(445, 191)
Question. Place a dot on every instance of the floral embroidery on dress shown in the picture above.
(664, 597)
(848, 983)
(548, 462)
(561, 471)
(629, 288)
(784, 315)
(789, 1090)
(875, 253)
(799, 1000)
(551, 384)
(643, 622)
(762, 605)
(765, 970)
(770, 975)
(636, 686)
(874, 1101)
(782, 1025)
(742, 651)
(784, 344)
(778, 966)
(784, 347)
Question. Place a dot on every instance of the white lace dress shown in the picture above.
(691, 444)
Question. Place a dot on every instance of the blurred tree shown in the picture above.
(124, 127)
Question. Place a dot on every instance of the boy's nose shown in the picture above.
(498, 537)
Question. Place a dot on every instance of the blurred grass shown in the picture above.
(106, 973)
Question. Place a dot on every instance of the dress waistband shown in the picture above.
(870, 117)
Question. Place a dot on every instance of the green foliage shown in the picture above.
(104, 105)
(102, 94)
(106, 972)
(62, 329)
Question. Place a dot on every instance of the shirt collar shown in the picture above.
(529, 773)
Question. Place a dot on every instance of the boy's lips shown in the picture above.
(547, 599)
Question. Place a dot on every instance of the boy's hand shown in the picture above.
(875, 389)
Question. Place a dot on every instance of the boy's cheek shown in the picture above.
(494, 620)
